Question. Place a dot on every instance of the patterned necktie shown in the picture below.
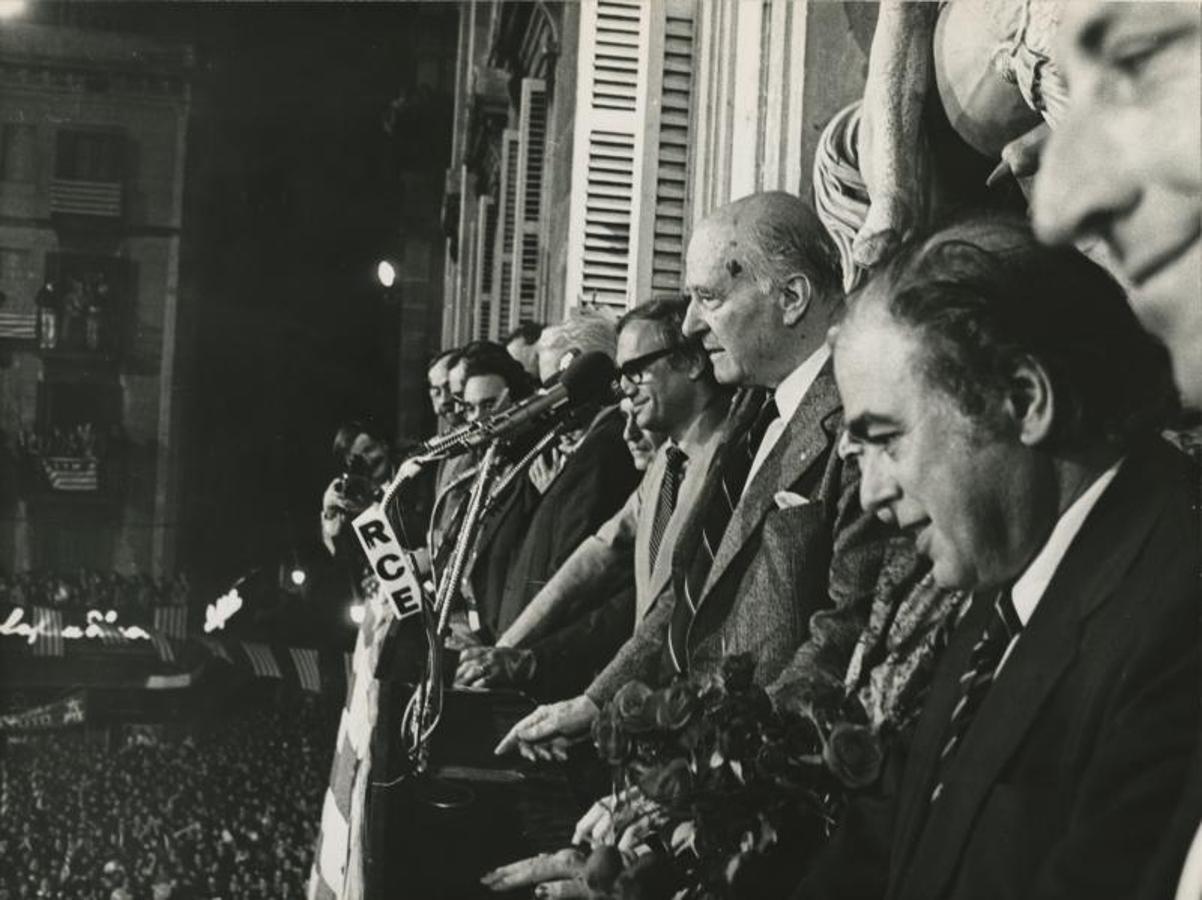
(669, 489)
(736, 465)
(983, 663)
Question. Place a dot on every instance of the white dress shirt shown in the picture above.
(787, 397)
(1034, 581)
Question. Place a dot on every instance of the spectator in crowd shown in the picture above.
(641, 444)
(441, 400)
(522, 344)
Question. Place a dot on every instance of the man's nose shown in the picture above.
(878, 490)
(693, 324)
(1081, 185)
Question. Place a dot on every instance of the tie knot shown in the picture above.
(676, 457)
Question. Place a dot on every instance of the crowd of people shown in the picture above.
(80, 442)
(920, 454)
(137, 593)
(228, 811)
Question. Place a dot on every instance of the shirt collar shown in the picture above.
(1031, 585)
(789, 393)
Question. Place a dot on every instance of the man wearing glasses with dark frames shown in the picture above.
(669, 389)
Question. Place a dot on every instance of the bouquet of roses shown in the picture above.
(730, 779)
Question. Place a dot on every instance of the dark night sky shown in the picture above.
(293, 193)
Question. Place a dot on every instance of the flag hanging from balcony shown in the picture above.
(71, 473)
(262, 660)
(172, 621)
(48, 627)
(162, 646)
(18, 326)
(307, 671)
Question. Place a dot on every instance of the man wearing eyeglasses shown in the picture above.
(777, 558)
(566, 633)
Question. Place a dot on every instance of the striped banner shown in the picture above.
(262, 660)
(71, 473)
(307, 671)
(172, 621)
(85, 198)
(162, 646)
(48, 625)
(216, 648)
(18, 326)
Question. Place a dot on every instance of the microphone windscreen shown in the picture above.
(590, 378)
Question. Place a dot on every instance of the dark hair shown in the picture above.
(449, 355)
(667, 314)
(487, 358)
(529, 332)
(344, 438)
(982, 293)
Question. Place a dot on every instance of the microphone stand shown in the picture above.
(425, 708)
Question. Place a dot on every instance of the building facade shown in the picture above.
(92, 135)
(590, 136)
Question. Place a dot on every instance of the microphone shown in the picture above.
(589, 379)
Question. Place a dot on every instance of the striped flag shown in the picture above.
(71, 473)
(18, 326)
(262, 660)
(48, 625)
(307, 672)
(172, 621)
(216, 648)
(162, 646)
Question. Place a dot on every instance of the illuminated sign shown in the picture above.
(99, 625)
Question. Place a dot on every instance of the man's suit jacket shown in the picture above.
(597, 476)
(775, 568)
(620, 550)
(1068, 774)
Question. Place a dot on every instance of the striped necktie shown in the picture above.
(1003, 626)
(669, 489)
(736, 465)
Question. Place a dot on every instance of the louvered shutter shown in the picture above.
(524, 299)
(671, 177)
(608, 145)
(506, 232)
(486, 242)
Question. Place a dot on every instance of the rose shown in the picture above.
(613, 743)
(603, 867)
(853, 754)
(738, 671)
(673, 707)
(669, 784)
(631, 708)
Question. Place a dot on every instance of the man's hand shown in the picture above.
(546, 732)
(559, 874)
(495, 667)
(624, 819)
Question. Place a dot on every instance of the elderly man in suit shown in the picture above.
(996, 428)
(777, 558)
(626, 564)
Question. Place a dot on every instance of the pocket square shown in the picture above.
(789, 500)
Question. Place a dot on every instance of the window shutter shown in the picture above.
(608, 142)
(507, 217)
(524, 301)
(486, 242)
(671, 177)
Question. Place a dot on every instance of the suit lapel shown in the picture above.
(1086, 577)
(800, 446)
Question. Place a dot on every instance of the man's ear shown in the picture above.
(1030, 401)
(795, 297)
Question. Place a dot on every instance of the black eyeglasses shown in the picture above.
(635, 370)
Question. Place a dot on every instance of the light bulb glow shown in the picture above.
(356, 613)
(386, 273)
(298, 576)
